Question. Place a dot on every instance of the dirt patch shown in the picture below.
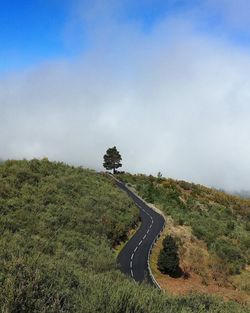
(197, 265)
(182, 286)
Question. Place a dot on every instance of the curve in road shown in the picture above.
(133, 260)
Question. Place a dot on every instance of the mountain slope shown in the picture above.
(58, 226)
(211, 227)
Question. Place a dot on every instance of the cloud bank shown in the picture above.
(173, 100)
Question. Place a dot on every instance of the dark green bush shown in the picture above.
(168, 260)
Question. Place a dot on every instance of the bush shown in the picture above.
(168, 261)
(230, 254)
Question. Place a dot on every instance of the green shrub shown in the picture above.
(168, 260)
(230, 254)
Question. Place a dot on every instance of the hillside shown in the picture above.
(212, 230)
(59, 225)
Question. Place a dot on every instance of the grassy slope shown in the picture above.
(58, 225)
(212, 228)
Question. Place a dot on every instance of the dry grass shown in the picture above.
(242, 281)
(200, 267)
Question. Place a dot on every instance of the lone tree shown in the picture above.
(168, 260)
(112, 159)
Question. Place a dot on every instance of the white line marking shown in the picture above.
(136, 249)
(147, 231)
(144, 236)
(132, 256)
(130, 264)
(140, 242)
(132, 274)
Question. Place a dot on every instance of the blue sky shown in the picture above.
(35, 31)
(30, 32)
(166, 81)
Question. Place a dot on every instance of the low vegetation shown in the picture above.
(58, 227)
(211, 228)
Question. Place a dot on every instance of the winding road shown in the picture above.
(134, 257)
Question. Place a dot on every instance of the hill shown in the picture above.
(212, 230)
(58, 226)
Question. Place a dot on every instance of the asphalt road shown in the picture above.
(133, 259)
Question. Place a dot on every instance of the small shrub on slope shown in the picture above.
(168, 261)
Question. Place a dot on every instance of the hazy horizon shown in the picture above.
(167, 83)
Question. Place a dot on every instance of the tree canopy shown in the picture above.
(112, 159)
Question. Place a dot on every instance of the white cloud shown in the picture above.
(172, 101)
